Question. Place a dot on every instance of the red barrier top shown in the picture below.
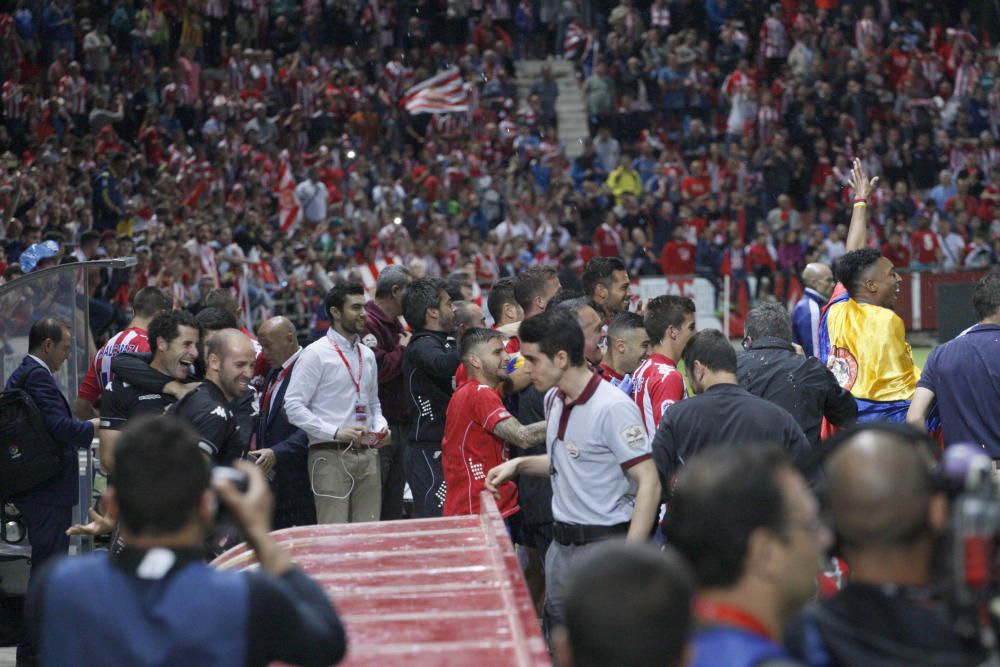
(421, 592)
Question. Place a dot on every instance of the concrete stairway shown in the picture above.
(569, 107)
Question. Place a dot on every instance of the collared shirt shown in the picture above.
(964, 375)
(41, 363)
(592, 442)
(321, 395)
(805, 321)
(280, 379)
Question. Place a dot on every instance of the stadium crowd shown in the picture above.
(269, 161)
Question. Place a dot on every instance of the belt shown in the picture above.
(339, 445)
(573, 534)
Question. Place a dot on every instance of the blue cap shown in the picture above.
(30, 258)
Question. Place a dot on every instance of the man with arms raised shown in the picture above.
(669, 322)
(861, 339)
(604, 482)
(478, 427)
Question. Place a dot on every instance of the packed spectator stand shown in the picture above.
(269, 147)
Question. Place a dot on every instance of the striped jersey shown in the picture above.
(658, 385)
(98, 375)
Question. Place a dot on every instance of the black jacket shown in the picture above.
(429, 366)
(879, 627)
(801, 385)
(726, 414)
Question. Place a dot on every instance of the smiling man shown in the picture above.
(861, 338)
(174, 335)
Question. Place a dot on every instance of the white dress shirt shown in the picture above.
(321, 396)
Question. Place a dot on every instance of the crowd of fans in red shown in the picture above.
(722, 132)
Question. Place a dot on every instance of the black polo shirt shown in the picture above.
(122, 401)
(726, 414)
(212, 416)
(964, 375)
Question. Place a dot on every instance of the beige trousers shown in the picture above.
(346, 484)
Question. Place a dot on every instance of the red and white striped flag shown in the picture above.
(289, 209)
(442, 93)
(576, 41)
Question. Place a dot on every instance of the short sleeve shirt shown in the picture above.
(592, 442)
(122, 401)
(658, 385)
(469, 450)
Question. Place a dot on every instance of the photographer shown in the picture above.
(887, 513)
(157, 601)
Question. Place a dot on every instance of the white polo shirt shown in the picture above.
(592, 442)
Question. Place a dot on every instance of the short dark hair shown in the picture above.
(566, 295)
(532, 283)
(476, 336)
(629, 590)
(712, 349)
(986, 296)
(221, 297)
(663, 312)
(418, 297)
(216, 319)
(90, 236)
(167, 326)
(149, 301)
(337, 295)
(160, 475)
(462, 314)
(394, 275)
(622, 322)
(769, 320)
(600, 271)
(500, 295)
(454, 289)
(47, 328)
(850, 268)
(555, 330)
(721, 496)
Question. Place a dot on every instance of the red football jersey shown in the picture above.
(469, 450)
(658, 385)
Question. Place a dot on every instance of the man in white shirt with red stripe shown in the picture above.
(147, 304)
(333, 397)
(669, 322)
(604, 482)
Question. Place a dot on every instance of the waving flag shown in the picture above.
(442, 93)
(289, 209)
(575, 42)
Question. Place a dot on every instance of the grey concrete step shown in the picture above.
(569, 107)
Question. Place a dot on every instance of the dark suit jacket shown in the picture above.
(293, 502)
(63, 489)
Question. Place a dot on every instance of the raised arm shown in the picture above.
(861, 187)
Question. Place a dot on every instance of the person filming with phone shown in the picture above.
(158, 602)
(333, 397)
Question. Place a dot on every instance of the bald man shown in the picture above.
(887, 514)
(818, 279)
(229, 362)
(279, 448)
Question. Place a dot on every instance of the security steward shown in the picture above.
(158, 602)
(772, 369)
(723, 413)
(604, 483)
(47, 509)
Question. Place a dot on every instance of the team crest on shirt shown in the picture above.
(844, 367)
(370, 341)
(572, 449)
(634, 436)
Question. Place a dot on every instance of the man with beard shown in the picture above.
(606, 284)
(333, 397)
(478, 427)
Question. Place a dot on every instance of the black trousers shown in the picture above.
(392, 460)
(426, 480)
(47, 525)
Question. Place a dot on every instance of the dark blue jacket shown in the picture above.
(294, 504)
(63, 489)
(735, 647)
(805, 321)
